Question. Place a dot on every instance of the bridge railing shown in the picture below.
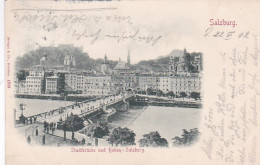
(61, 110)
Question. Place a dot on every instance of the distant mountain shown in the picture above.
(159, 64)
(55, 56)
(173, 53)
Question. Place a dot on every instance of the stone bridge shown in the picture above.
(83, 109)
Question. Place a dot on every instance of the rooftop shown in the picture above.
(121, 65)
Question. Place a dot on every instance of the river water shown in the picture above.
(168, 121)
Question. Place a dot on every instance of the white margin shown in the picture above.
(2, 86)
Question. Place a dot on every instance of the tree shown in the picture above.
(187, 138)
(170, 94)
(159, 92)
(122, 136)
(195, 95)
(21, 75)
(183, 94)
(153, 139)
(100, 130)
(151, 91)
(74, 123)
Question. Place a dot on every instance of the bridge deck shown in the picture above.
(81, 108)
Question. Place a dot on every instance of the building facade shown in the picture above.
(52, 85)
(147, 80)
(98, 85)
(164, 84)
(185, 84)
(35, 81)
(22, 87)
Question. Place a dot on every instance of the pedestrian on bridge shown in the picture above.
(29, 139)
(36, 132)
(47, 129)
(52, 130)
(35, 118)
(51, 125)
(43, 140)
(45, 125)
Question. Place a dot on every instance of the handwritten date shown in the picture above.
(226, 35)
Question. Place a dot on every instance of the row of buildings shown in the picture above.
(50, 80)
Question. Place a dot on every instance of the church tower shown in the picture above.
(69, 59)
(73, 60)
(104, 66)
(171, 65)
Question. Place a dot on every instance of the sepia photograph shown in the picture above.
(131, 82)
(64, 97)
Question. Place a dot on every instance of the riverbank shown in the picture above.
(147, 100)
(125, 118)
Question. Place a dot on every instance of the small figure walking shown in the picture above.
(36, 132)
(43, 140)
(29, 139)
(45, 126)
(52, 130)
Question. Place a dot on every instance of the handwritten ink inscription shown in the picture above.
(88, 26)
(232, 118)
(225, 34)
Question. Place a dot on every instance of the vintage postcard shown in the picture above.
(132, 82)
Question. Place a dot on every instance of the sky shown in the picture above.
(175, 29)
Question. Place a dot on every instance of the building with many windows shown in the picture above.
(55, 79)
(22, 87)
(52, 85)
(98, 85)
(70, 82)
(185, 84)
(147, 80)
(164, 83)
(130, 81)
(35, 81)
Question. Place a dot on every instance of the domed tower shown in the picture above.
(43, 60)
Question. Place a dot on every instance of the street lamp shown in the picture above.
(22, 108)
(60, 111)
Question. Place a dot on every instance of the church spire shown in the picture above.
(105, 59)
(128, 57)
